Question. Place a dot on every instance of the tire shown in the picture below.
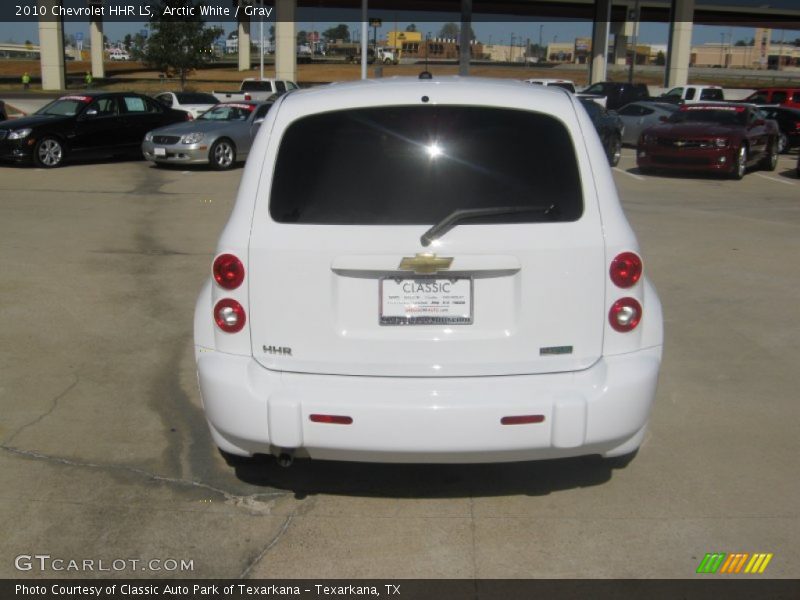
(49, 153)
(614, 150)
(222, 155)
(783, 143)
(740, 166)
(770, 162)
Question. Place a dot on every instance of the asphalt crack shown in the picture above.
(268, 547)
(53, 406)
(236, 499)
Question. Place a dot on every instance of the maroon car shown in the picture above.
(713, 137)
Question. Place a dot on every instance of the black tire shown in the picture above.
(739, 167)
(49, 153)
(222, 155)
(770, 162)
(614, 150)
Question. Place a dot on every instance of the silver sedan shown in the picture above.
(638, 116)
(221, 136)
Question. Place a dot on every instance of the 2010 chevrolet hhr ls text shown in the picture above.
(432, 270)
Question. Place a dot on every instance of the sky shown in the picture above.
(493, 32)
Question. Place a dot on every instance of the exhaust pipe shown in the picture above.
(285, 459)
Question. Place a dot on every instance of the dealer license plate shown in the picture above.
(160, 151)
(425, 301)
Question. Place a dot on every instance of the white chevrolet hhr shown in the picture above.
(428, 270)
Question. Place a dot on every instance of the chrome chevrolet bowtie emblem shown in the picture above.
(425, 264)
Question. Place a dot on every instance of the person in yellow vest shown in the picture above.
(88, 80)
(26, 80)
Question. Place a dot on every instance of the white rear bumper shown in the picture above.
(601, 410)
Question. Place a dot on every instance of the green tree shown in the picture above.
(661, 60)
(127, 41)
(302, 37)
(178, 45)
(452, 31)
(340, 32)
(411, 27)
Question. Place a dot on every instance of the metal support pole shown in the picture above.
(364, 39)
(464, 38)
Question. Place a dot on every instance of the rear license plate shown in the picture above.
(425, 301)
(160, 151)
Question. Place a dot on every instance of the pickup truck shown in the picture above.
(256, 90)
(612, 95)
(692, 94)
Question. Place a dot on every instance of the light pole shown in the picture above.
(635, 41)
(541, 27)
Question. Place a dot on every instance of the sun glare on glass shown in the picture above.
(434, 150)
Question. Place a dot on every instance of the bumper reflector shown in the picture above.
(522, 419)
(332, 419)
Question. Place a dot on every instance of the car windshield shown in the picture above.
(194, 98)
(227, 112)
(408, 165)
(597, 88)
(719, 116)
(68, 106)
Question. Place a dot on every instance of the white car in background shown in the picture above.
(195, 103)
(562, 83)
(409, 278)
(119, 55)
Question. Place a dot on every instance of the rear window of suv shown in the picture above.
(414, 165)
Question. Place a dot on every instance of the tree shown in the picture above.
(178, 44)
(302, 38)
(661, 60)
(340, 32)
(452, 31)
(411, 27)
(127, 42)
(449, 30)
(741, 43)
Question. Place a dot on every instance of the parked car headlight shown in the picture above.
(191, 138)
(148, 137)
(721, 142)
(19, 134)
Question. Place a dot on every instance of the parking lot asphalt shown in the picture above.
(105, 453)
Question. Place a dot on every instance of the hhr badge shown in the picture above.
(282, 350)
(425, 264)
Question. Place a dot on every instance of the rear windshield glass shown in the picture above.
(416, 165)
(195, 98)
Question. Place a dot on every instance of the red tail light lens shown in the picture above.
(625, 314)
(522, 419)
(248, 97)
(626, 269)
(229, 315)
(228, 271)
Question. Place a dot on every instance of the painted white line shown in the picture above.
(639, 177)
(774, 179)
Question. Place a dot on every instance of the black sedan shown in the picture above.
(788, 120)
(90, 124)
(609, 127)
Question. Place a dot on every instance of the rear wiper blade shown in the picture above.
(462, 214)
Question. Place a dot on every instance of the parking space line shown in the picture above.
(774, 179)
(639, 177)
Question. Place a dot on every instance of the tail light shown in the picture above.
(188, 117)
(228, 271)
(797, 125)
(626, 269)
(248, 97)
(229, 315)
(625, 314)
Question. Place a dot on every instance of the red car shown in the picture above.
(713, 137)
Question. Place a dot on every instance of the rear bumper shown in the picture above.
(601, 410)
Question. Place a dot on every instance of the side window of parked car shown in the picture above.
(796, 97)
(280, 86)
(105, 107)
(711, 94)
(165, 99)
(690, 93)
(779, 97)
(134, 104)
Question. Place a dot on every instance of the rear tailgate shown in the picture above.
(330, 291)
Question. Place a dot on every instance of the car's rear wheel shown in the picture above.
(49, 153)
(770, 161)
(222, 155)
(614, 150)
(783, 143)
(740, 166)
